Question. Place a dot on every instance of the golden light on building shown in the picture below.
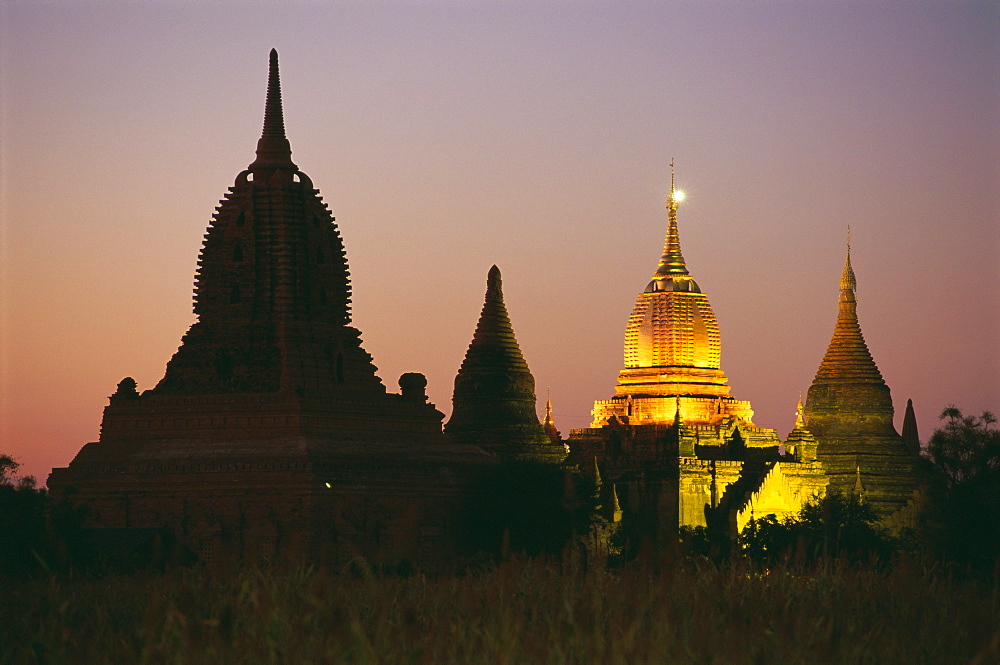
(672, 349)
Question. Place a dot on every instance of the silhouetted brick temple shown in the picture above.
(271, 433)
(494, 401)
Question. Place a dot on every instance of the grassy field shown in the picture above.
(521, 612)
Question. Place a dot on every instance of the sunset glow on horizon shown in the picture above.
(448, 137)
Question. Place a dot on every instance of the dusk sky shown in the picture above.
(449, 136)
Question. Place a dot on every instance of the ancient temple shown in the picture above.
(270, 433)
(494, 400)
(679, 448)
(672, 350)
(849, 411)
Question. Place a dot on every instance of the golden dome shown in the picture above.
(672, 350)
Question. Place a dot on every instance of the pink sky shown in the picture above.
(448, 136)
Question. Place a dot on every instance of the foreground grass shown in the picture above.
(519, 613)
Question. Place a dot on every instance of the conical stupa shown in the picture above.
(849, 411)
(672, 350)
(494, 399)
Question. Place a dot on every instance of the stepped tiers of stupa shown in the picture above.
(849, 411)
(672, 351)
(494, 400)
(679, 448)
(271, 433)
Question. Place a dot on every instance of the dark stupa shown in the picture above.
(494, 399)
(849, 411)
(270, 433)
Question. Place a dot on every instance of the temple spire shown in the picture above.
(910, 437)
(847, 280)
(550, 425)
(672, 261)
(273, 149)
(494, 398)
(848, 395)
(847, 357)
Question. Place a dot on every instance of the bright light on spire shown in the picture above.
(678, 196)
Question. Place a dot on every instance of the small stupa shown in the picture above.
(494, 399)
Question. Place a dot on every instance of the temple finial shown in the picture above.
(847, 279)
(672, 261)
(616, 508)
(274, 121)
(800, 421)
(273, 149)
(550, 425)
(909, 433)
(671, 199)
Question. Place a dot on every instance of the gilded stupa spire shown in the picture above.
(550, 424)
(672, 261)
(273, 148)
(800, 421)
(847, 280)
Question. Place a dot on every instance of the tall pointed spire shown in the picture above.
(849, 412)
(911, 439)
(672, 261)
(549, 425)
(859, 487)
(273, 290)
(616, 508)
(273, 149)
(848, 392)
(800, 421)
(494, 340)
(848, 357)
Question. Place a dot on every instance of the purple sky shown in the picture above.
(448, 136)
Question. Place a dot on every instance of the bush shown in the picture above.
(834, 526)
(962, 460)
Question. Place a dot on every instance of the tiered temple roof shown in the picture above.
(849, 411)
(672, 350)
(272, 292)
(848, 395)
(494, 398)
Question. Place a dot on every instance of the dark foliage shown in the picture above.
(962, 519)
(23, 534)
(705, 542)
(528, 507)
(835, 526)
(36, 534)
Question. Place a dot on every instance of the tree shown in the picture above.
(23, 535)
(835, 526)
(963, 464)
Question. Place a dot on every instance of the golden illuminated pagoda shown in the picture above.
(672, 351)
